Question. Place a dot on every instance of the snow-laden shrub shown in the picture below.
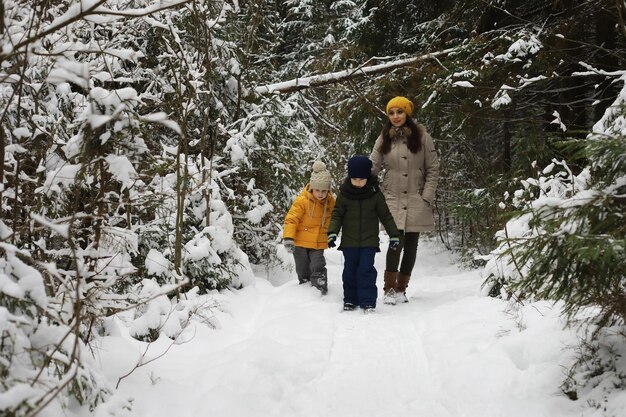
(568, 238)
(567, 242)
(598, 377)
(43, 355)
(536, 203)
(270, 150)
(96, 106)
(210, 257)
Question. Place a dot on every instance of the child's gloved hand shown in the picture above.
(394, 243)
(289, 245)
(331, 240)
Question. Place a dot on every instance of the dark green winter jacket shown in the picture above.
(357, 213)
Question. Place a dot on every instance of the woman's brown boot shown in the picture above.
(401, 284)
(391, 280)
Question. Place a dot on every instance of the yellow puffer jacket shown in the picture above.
(307, 220)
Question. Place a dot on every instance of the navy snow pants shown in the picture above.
(359, 277)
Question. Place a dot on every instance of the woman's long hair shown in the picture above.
(414, 140)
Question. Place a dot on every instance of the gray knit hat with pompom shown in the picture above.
(320, 177)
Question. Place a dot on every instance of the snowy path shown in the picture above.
(283, 350)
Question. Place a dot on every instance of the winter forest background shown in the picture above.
(151, 148)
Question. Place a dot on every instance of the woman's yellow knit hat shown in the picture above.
(401, 103)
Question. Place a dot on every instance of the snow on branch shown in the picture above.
(155, 7)
(90, 10)
(349, 74)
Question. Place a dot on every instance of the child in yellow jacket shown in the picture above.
(306, 227)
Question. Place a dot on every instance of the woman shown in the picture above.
(408, 154)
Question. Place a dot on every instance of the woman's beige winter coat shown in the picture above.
(410, 179)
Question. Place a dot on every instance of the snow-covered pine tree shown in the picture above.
(567, 245)
(270, 141)
(97, 185)
(568, 241)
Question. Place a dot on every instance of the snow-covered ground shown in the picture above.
(281, 349)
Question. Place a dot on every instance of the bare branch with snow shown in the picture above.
(298, 84)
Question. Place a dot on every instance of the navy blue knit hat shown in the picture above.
(359, 167)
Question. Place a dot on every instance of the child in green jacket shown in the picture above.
(359, 208)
